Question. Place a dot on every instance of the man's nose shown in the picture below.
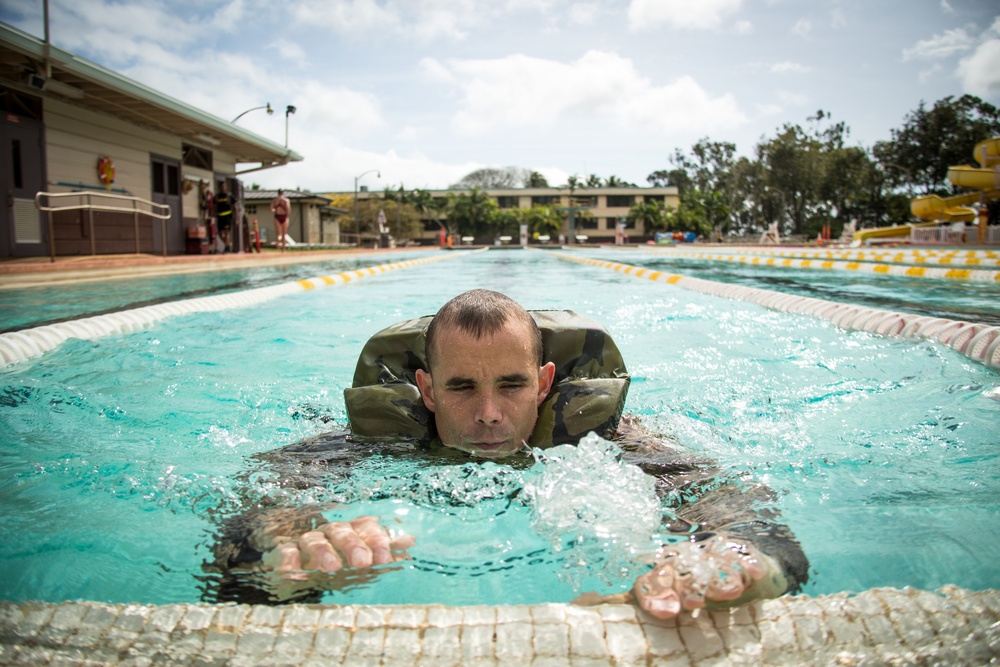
(488, 411)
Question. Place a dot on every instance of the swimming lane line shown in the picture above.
(858, 266)
(917, 256)
(979, 342)
(18, 346)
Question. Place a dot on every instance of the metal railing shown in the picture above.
(954, 234)
(106, 202)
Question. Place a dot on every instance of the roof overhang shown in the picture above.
(30, 65)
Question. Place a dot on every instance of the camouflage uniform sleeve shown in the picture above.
(706, 500)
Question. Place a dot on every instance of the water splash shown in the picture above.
(601, 512)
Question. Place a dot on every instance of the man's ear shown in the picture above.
(426, 387)
(546, 376)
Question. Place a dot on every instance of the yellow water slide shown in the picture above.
(985, 179)
(960, 208)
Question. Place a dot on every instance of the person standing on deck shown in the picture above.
(225, 215)
(281, 207)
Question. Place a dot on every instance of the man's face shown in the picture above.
(485, 392)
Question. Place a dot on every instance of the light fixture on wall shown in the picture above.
(289, 110)
(266, 106)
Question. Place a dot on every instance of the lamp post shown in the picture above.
(357, 219)
(266, 106)
(289, 110)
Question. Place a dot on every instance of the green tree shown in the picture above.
(616, 182)
(651, 215)
(677, 177)
(471, 213)
(536, 180)
(427, 207)
(931, 140)
(543, 221)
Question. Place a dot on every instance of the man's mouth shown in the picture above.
(489, 445)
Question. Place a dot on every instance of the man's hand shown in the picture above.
(715, 572)
(332, 547)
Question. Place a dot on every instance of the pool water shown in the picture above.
(118, 455)
(47, 304)
(970, 301)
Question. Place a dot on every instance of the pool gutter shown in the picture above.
(880, 626)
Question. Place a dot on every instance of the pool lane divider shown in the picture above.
(974, 275)
(979, 342)
(17, 346)
(970, 258)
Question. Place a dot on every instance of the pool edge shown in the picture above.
(878, 626)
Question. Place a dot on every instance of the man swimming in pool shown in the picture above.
(484, 384)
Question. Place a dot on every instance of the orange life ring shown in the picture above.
(106, 170)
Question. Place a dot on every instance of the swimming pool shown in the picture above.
(45, 304)
(118, 451)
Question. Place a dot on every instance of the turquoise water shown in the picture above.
(971, 301)
(117, 453)
(46, 304)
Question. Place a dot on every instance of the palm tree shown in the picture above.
(471, 212)
(651, 215)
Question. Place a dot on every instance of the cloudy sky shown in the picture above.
(427, 90)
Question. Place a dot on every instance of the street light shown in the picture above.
(357, 219)
(266, 106)
(289, 110)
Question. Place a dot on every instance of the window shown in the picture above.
(173, 179)
(653, 198)
(585, 202)
(196, 157)
(159, 186)
(545, 200)
(15, 163)
(611, 222)
(620, 201)
(507, 201)
(587, 222)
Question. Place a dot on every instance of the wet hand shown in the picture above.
(361, 543)
(715, 572)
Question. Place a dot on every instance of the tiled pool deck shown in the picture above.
(952, 626)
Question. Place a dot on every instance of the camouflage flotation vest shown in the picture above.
(588, 393)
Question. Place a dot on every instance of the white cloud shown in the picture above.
(583, 13)
(980, 72)
(789, 68)
(330, 165)
(795, 99)
(435, 71)
(946, 6)
(408, 134)
(701, 14)
(335, 110)
(948, 43)
(769, 109)
(289, 50)
(345, 16)
(426, 20)
(744, 27)
(521, 91)
(802, 28)
(928, 74)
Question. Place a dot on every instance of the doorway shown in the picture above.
(166, 174)
(22, 233)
